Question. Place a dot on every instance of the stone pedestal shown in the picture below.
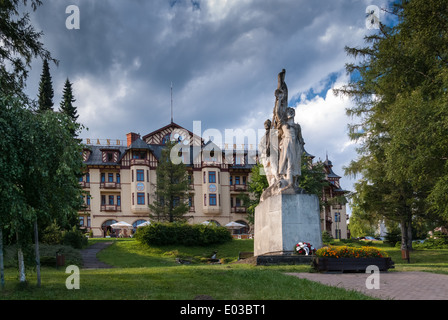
(283, 220)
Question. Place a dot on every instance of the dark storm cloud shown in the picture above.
(222, 56)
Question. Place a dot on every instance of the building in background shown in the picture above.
(120, 178)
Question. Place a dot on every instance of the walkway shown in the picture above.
(393, 285)
(90, 261)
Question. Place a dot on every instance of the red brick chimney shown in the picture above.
(131, 137)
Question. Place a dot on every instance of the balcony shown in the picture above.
(238, 187)
(85, 207)
(110, 207)
(110, 185)
(140, 162)
(238, 210)
(84, 184)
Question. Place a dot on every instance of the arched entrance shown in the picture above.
(244, 230)
(107, 228)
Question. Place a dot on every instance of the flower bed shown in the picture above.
(343, 258)
(350, 252)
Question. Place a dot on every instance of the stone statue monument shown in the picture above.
(281, 148)
(286, 215)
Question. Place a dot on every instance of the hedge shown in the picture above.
(182, 234)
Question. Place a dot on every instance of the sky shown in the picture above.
(218, 58)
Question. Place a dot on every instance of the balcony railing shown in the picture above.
(84, 184)
(238, 210)
(110, 207)
(110, 185)
(85, 207)
(238, 187)
(141, 162)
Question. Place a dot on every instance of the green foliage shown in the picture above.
(74, 238)
(393, 236)
(52, 234)
(66, 105)
(46, 93)
(399, 87)
(20, 44)
(182, 234)
(438, 241)
(326, 237)
(172, 187)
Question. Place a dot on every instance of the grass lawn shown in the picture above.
(141, 272)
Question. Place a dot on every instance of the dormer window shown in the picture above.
(110, 156)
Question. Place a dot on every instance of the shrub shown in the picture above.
(438, 241)
(52, 234)
(350, 252)
(326, 237)
(182, 234)
(74, 238)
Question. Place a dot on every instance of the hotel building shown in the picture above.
(120, 180)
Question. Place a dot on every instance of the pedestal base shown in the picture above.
(283, 220)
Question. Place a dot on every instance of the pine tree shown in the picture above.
(399, 87)
(66, 105)
(46, 93)
(172, 187)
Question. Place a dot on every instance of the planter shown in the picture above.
(351, 264)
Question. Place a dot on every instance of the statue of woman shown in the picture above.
(291, 150)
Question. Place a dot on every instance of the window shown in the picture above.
(140, 198)
(337, 217)
(205, 200)
(237, 180)
(110, 177)
(140, 175)
(190, 201)
(139, 155)
(81, 221)
(111, 200)
(118, 178)
(88, 177)
(238, 202)
(88, 221)
(338, 233)
(212, 200)
(103, 200)
(230, 182)
(110, 157)
(204, 177)
(88, 200)
(118, 200)
(212, 177)
(166, 138)
(103, 177)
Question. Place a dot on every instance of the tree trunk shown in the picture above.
(2, 269)
(22, 276)
(37, 254)
(406, 233)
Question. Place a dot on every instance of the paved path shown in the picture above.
(90, 261)
(393, 285)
